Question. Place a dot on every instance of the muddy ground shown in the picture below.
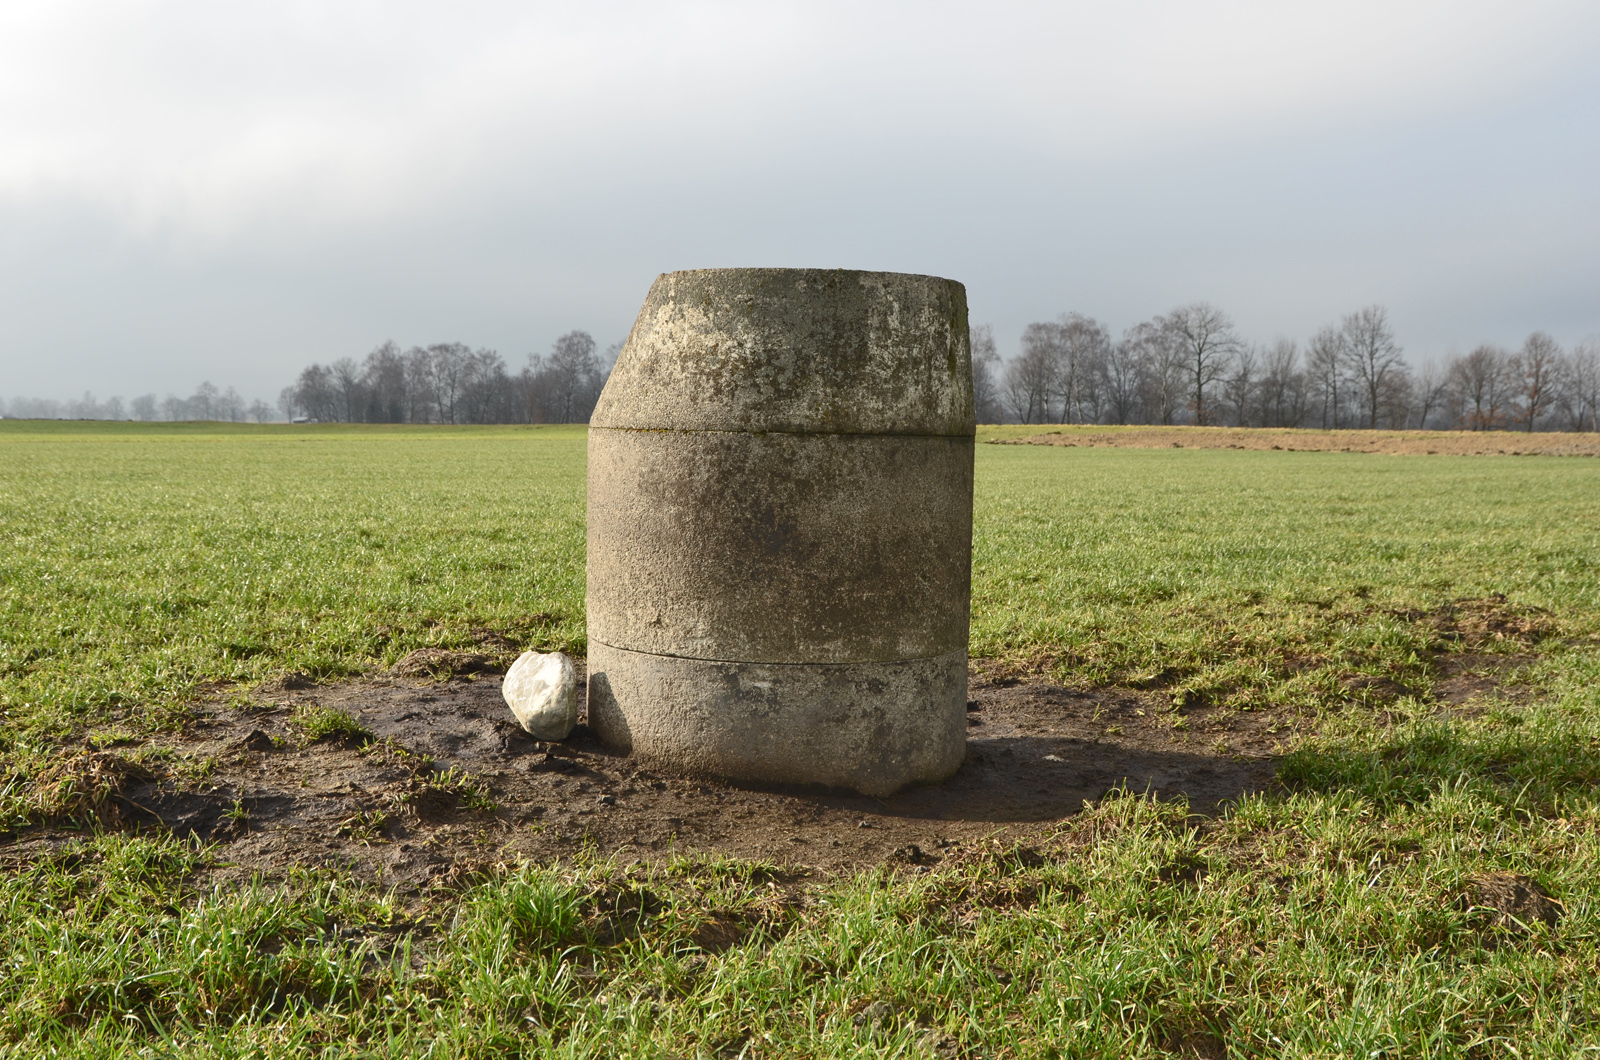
(1442, 443)
(443, 782)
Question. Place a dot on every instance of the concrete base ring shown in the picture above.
(874, 727)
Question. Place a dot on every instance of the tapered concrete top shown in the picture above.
(829, 351)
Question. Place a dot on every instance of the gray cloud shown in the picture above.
(196, 191)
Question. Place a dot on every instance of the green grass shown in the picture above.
(1266, 576)
(144, 565)
(317, 722)
(141, 564)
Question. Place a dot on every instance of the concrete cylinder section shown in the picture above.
(780, 528)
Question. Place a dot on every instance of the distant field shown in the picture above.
(1296, 439)
(1423, 633)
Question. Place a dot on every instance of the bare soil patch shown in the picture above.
(446, 781)
(1505, 905)
(1468, 680)
(421, 781)
(1442, 443)
(1476, 672)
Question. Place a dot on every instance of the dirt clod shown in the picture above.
(1478, 622)
(256, 740)
(879, 1014)
(911, 854)
(1508, 904)
(1196, 1042)
(441, 662)
(89, 787)
(719, 932)
(935, 1042)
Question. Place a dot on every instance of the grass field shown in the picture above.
(1342, 913)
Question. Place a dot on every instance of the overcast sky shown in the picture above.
(230, 191)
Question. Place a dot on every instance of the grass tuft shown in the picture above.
(318, 722)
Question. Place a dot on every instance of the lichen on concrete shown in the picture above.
(780, 520)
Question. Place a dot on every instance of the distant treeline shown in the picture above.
(206, 403)
(1191, 366)
(452, 383)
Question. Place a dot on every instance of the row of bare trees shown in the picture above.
(452, 383)
(1192, 366)
(1187, 366)
(206, 403)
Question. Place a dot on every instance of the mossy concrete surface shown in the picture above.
(780, 528)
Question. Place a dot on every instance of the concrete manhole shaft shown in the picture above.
(780, 528)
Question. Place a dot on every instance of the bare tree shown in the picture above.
(1042, 354)
(1163, 369)
(1282, 390)
(422, 402)
(1206, 339)
(448, 368)
(315, 395)
(1073, 346)
(985, 382)
(144, 407)
(202, 405)
(1431, 391)
(1239, 388)
(1325, 365)
(486, 393)
(1121, 377)
(1536, 373)
(1029, 381)
(1479, 388)
(1081, 349)
(1374, 359)
(384, 385)
(230, 406)
(1581, 394)
(570, 379)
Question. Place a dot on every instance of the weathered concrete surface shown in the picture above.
(780, 521)
(812, 351)
(780, 547)
(874, 727)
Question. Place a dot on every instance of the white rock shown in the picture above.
(542, 691)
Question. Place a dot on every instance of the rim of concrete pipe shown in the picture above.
(813, 351)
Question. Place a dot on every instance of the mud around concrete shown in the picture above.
(441, 779)
(420, 781)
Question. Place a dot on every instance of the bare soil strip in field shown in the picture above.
(1441, 443)
(440, 783)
